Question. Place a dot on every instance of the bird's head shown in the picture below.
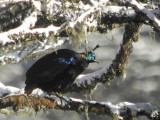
(90, 56)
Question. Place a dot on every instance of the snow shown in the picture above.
(38, 92)
(82, 79)
(16, 57)
(114, 9)
(141, 8)
(81, 18)
(8, 1)
(119, 10)
(25, 28)
(37, 4)
(9, 90)
(114, 108)
(78, 100)
(123, 106)
(151, 16)
(29, 22)
(4, 38)
(134, 107)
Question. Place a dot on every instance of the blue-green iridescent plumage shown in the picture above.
(91, 56)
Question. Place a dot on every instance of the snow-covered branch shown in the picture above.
(44, 42)
(146, 14)
(29, 26)
(46, 25)
(122, 111)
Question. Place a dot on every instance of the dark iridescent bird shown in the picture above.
(55, 72)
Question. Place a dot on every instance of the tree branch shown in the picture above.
(120, 111)
(116, 69)
(45, 24)
(148, 16)
(41, 26)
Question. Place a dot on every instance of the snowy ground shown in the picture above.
(141, 85)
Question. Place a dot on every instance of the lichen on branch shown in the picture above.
(121, 111)
(43, 24)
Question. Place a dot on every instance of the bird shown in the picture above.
(56, 71)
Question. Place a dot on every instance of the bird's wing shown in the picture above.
(46, 70)
(56, 67)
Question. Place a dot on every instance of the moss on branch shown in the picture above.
(124, 110)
